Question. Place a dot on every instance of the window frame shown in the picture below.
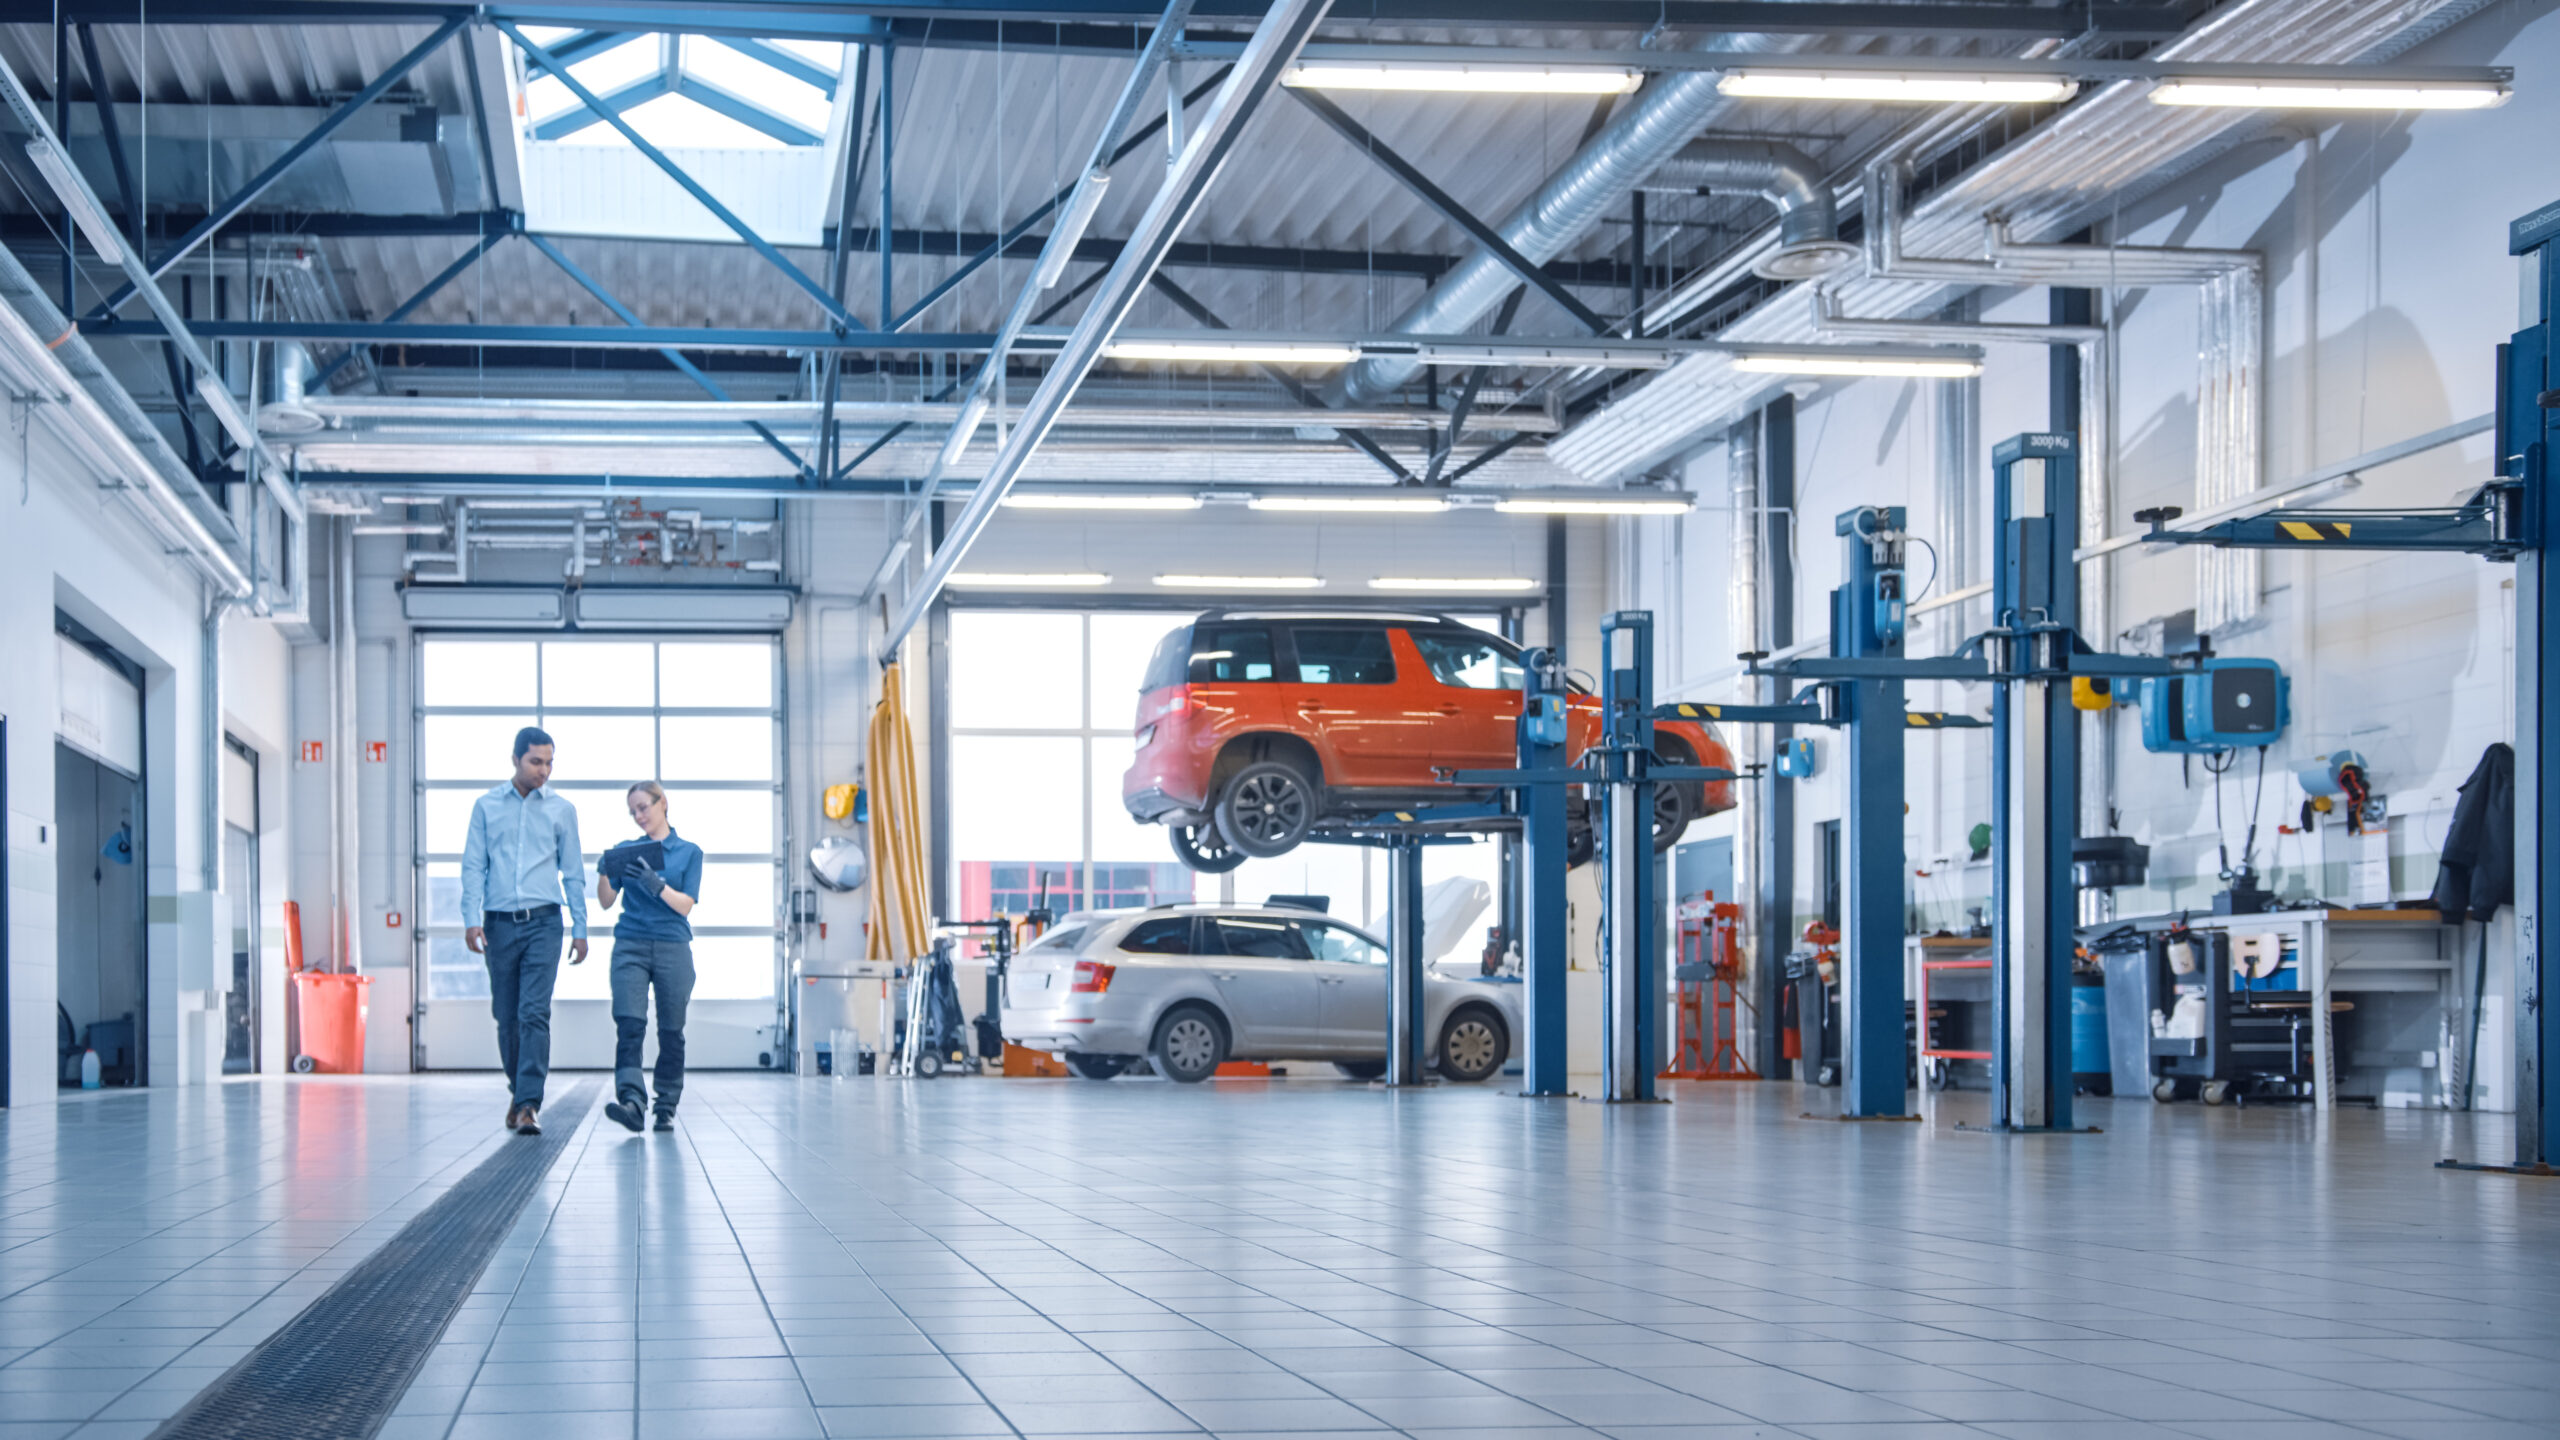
(1385, 632)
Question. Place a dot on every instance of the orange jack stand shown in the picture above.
(1709, 1008)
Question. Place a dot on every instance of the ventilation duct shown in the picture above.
(1809, 244)
(1672, 107)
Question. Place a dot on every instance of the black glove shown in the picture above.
(644, 877)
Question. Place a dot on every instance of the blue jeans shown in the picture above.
(640, 966)
(524, 962)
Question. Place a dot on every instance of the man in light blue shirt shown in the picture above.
(520, 860)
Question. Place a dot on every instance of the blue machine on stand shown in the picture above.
(2506, 519)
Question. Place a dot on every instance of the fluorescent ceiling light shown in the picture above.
(1239, 582)
(75, 198)
(1098, 500)
(1354, 504)
(235, 421)
(1030, 580)
(1907, 88)
(1064, 236)
(964, 428)
(1213, 352)
(1813, 361)
(1452, 586)
(1595, 505)
(1465, 79)
(2332, 95)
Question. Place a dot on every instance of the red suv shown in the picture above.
(1259, 727)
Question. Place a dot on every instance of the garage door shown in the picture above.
(699, 715)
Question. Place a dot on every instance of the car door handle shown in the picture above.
(1452, 710)
(1224, 974)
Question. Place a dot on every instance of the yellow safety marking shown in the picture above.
(1405, 815)
(2317, 530)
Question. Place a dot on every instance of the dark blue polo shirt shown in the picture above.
(645, 916)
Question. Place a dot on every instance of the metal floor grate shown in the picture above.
(335, 1371)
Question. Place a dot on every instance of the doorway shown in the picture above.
(240, 884)
(99, 950)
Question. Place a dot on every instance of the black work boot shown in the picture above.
(625, 1112)
(666, 1122)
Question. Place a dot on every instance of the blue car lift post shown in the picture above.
(1864, 698)
(2506, 519)
(1622, 771)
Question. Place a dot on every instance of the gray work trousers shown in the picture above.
(640, 966)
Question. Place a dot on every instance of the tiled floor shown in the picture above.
(1299, 1258)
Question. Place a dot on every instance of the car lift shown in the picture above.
(2506, 519)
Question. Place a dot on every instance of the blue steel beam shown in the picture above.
(248, 194)
(690, 185)
(745, 486)
(559, 337)
(588, 44)
(798, 67)
(569, 122)
(425, 293)
(746, 112)
(690, 370)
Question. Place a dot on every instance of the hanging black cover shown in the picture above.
(2479, 870)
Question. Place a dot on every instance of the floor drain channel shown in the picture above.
(336, 1371)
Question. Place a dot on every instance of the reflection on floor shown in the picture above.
(1266, 1258)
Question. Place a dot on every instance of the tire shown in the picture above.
(1203, 849)
(1190, 1044)
(304, 1064)
(1473, 1045)
(2215, 1092)
(1674, 806)
(1266, 809)
(1827, 1075)
(928, 1065)
(1098, 1067)
(2164, 1091)
(1579, 846)
(1362, 1069)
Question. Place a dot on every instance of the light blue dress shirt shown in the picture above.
(523, 851)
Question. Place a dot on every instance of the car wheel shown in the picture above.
(1473, 1045)
(1266, 808)
(1098, 1067)
(1190, 1044)
(1674, 805)
(1203, 849)
(1362, 1069)
(1579, 846)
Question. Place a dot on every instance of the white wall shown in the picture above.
(2407, 658)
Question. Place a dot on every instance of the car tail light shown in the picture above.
(1092, 978)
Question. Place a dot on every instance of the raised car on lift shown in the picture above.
(1258, 728)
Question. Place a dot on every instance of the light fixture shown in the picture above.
(74, 196)
(1064, 236)
(235, 421)
(1841, 360)
(1465, 79)
(1233, 352)
(1029, 580)
(1239, 582)
(1354, 504)
(1495, 585)
(2333, 94)
(1889, 87)
(1601, 504)
(964, 428)
(1098, 500)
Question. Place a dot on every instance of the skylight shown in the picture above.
(685, 91)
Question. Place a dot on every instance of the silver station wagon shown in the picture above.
(1190, 987)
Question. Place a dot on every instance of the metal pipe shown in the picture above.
(1663, 116)
(1744, 630)
(1809, 244)
(1284, 27)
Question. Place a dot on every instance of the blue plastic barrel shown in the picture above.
(2089, 1055)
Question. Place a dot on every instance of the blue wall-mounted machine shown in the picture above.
(2229, 703)
(1796, 759)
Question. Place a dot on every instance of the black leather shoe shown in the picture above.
(624, 1114)
(515, 1114)
(666, 1122)
(531, 1124)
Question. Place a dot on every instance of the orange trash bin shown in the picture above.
(330, 1010)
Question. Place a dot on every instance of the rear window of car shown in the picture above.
(1056, 940)
(1227, 654)
(1256, 938)
(1171, 663)
(1468, 661)
(1346, 656)
(1168, 936)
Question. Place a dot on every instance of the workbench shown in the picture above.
(2353, 951)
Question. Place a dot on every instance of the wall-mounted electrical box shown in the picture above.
(2231, 703)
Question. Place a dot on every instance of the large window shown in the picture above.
(1042, 709)
(699, 716)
